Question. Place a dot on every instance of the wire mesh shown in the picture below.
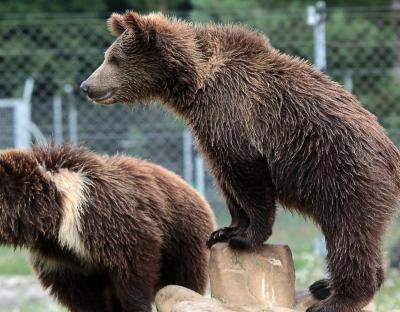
(60, 51)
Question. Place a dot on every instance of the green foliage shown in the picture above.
(91, 6)
(358, 3)
(156, 5)
(54, 6)
(223, 11)
(385, 94)
(354, 41)
(361, 48)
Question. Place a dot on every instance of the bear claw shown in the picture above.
(237, 237)
(320, 289)
(220, 235)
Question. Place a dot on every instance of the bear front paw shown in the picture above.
(220, 236)
(247, 238)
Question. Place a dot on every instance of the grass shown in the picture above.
(13, 262)
(302, 236)
(35, 308)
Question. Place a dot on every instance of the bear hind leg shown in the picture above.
(320, 290)
(355, 262)
(186, 263)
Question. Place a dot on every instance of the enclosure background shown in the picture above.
(59, 43)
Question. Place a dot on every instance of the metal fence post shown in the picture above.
(348, 80)
(57, 120)
(316, 17)
(22, 117)
(200, 176)
(187, 157)
(72, 114)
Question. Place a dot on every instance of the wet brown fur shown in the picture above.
(273, 129)
(142, 227)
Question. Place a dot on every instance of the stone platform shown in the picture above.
(260, 281)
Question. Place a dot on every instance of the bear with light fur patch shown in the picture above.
(103, 233)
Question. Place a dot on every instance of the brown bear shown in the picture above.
(103, 233)
(273, 129)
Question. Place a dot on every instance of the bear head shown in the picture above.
(151, 55)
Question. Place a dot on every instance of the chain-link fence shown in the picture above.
(360, 47)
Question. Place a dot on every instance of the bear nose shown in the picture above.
(84, 87)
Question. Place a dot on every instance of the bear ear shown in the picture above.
(147, 27)
(116, 24)
(134, 21)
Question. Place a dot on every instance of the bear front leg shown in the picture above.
(239, 220)
(249, 183)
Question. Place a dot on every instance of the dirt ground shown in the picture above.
(23, 293)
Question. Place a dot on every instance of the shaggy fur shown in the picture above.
(272, 128)
(104, 234)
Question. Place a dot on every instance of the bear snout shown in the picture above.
(96, 94)
(84, 87)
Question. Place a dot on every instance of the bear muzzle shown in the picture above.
(96, 95)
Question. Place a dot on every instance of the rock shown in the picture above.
(263, 278)
(369, 308)
(304, 299)
(170, 295)
(277, 309)
(207, 305)
(179, 299)
(260, 281)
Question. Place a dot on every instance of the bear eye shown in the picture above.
(113, 60)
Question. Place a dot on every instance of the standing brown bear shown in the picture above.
(103, 234)
(273, 129)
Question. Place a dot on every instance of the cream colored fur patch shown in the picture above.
(73, 187)
(41, 264)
